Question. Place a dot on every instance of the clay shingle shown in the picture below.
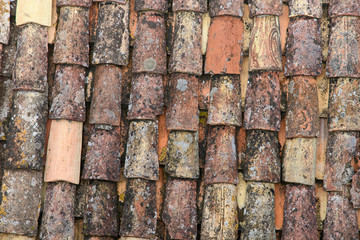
(226, 7)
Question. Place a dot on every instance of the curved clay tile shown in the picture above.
(226, 8)
(269, 7)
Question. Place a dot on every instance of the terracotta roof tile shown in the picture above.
(93, 20)
(33, 12)
(73, 3)
(321, 143)
(269, 7)
(189, 5)
(5, 22)
(344, 8)
(203, 137)
(204, 91)
(355, 190)
(226, 7)
(155, 5)
(280, 190)
(305, 8)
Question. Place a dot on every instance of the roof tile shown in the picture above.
(321, 143)
(154, 5)
(5, 22)
(280, 189)
(9, 52)
(73, 3)
(344, 8)
(307, 8)
(93, 20)
(38, 11)
(355, 190)
(226, 7)
(189, 5)
(204, 91)
(6, 102)
(269, 7)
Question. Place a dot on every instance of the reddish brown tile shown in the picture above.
(112, 34)
(147, 97)
(149, 54)
(106, 98)
(154, 5)
(344, 8)
(302, 117)
(182, 112)
(73, 3)
(163, 136)
(224, 46)
(183, 155)
(309, 8)
(72, 37)
(355, 190)
(141, 152)
(344, 53)
(186, 56)
(303, 47)
(101, 210)
(265, 45)
(270, 7)
(279, 205)
(189, 5)
(139, 214)
(262, 161)
(204, 91)
(226, 7)
(342, 147)
(58, 220)
(68, 93)
(262, 102)
(300, 213)
(31, 63)
(321, 143)
(225, 100)
(93, 20)
(240, 145)
(26, 138)
(103, 155)
(133, 18)
(221, 162)
(179, 213)
(344, 104)
(160, 192)
(341, 221)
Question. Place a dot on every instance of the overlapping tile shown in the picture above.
(5, 21)
(306, 8)
(38, 11)
(155, 5)
(226, 7)
(271, 7)
(73, 3)
(189, 5)
(344, 8)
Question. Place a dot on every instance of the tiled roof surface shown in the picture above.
(179, 119)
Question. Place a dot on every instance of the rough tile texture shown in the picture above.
(226, 7)
(305, 8)
(189, 5)
(5, 21)
(271, 7)
(344, 8)
(156, 5)
(73, 3)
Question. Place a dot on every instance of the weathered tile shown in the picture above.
(325, 32)
(342, 148)
(189, 5)
(284, 25)
(58, 221)
(204, 91)
(182, 112)
(355, 190)
(321, 204)
(279, 205)
(220, 213)
(160, 192)
(183, 155)
(93, 21)
(147, 96)
(68, 93)
(115, 1)
(323, 89)
(205, 32)
(80, 199)
(112, 42)
(265, 44)
(341, 220)
(126, 83)
(308, 8)
(226, 7)
(284, 85)
(36, 11)
(20, 188)
(31, 60)
(54, 19)
(154, 5)
(344, 8)
(163, 135)
(244, 78)
(303, 47)
(259, 213)
(5, 21)
(300, 213)
(9, 236)
(225, 100)
(248, 24)
(221, 162)
(73, 3)
(149, 52)
(262, 102)
(106, 98)
(262, 161)
(101, 210)
(344, 53)
(302, 117)
(26, 138)
(179, 212)
(63, 157)
(269, 7)
(186, 56)
(203, 137)
(321, 143)
(6, 101)
(72, 37)
(299, 161)
(344, 104)
(103, 155)
(9, 52)
(224, 46)
(141, 152)
(139, 215)
(240, 145)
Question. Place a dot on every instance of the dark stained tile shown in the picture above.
(6, 102)
(106, 98)
(344, 8)
(309, 8)
(73, 3)
(112, 42)
(262, 160)
(226, 7)
(221, 160)
(262, 102)
(355, 190)
(269, 7)
(224, 46)
(93, 20)
(72, 37)
(183, 155)
(9, 52)
(189, 5)
(303, 47)
(204, 91)
(203, 137)
(149, 53)
(302, 116)
(342, 148)
(240, 145)
(154, 5)
(179, 214)
(68, 93)
(321, 143)
(225, 100)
